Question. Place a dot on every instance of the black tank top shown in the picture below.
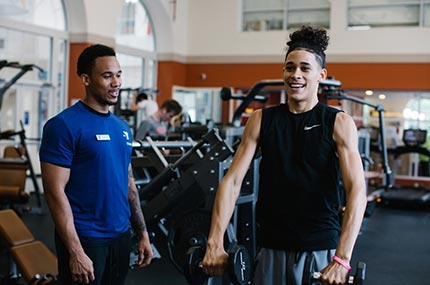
(299, 188)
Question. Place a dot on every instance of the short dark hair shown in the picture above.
(141, 96)
(172, 105)
(88, 57)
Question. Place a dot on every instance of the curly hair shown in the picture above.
(312, 39)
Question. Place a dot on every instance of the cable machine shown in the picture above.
(23, 70)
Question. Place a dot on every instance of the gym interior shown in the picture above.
(221, 60)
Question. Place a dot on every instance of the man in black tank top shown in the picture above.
(306, 149)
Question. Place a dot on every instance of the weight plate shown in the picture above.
(191, 229)
(193, 271)
(239, 265)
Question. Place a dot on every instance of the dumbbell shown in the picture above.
(238, 266)
(357, 279)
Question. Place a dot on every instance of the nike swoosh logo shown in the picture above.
(307, 128)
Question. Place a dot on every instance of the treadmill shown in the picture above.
(416, 194)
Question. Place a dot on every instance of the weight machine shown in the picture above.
(177, 203)
(24, 68)
(413, 193)
(9, 134)
(122, 107)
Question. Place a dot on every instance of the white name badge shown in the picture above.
(103, 137)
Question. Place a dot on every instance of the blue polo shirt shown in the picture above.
(96, 147)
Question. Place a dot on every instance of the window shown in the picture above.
(135, 45)
(199, 103)
(32, 33)
(388, 13)
(417, 113)
(35, 12)
(269, 15)
(134, 27)
(37, 94)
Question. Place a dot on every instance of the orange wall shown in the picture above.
(387, 76)
(391, 76)
(76, 89)
(376, 76)
(170, 73)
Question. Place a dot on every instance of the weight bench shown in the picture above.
(13, 176)
(29, 257)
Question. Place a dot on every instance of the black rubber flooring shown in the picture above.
(394, 243)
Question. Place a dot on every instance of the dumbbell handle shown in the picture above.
(317, 276)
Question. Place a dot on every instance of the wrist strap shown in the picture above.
(341, 262)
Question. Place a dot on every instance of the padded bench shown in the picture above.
(13, 176)
(13, 230)
(34, 258)
(30, 256)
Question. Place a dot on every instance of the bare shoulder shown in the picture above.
(254, 120)
(252, 128)
(344, 128)
(344, 120)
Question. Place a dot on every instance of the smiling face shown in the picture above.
(302, 74)
(103, 83)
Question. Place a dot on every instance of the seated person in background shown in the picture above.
(144, 106)
(157, 124)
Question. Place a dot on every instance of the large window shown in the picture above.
(259, 15)
(199, 103)
(388, 13)
(33, 50)
(136, 46)
(44, 13)
(417, 113)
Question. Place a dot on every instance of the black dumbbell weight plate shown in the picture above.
(193, 271)
(239, 265)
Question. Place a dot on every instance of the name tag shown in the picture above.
(103, 137)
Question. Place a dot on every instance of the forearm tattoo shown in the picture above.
(137, 220)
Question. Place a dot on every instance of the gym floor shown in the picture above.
(394, 244)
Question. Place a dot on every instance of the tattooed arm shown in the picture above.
(138, 223)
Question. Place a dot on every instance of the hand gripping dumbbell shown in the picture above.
(357, 279)
(238, 266)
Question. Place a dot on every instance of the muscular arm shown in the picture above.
(138, 223)
(227, 194)
(346, 138)
(54, 180)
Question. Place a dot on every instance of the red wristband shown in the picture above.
(341, 262)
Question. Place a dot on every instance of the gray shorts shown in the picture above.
(276, 267)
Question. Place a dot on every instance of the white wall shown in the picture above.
(214, 30)
(209, 31)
